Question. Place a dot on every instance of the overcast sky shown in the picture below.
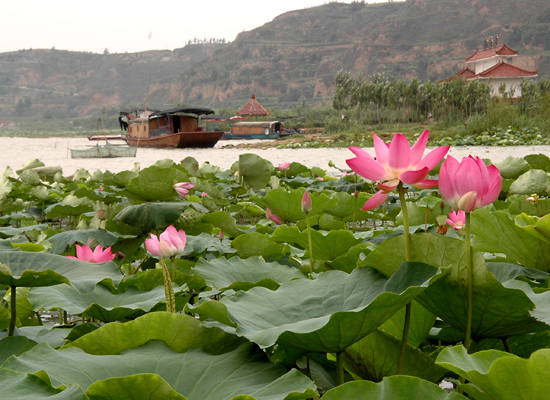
(132, 26)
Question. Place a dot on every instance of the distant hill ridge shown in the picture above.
(290, 60)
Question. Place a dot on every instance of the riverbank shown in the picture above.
(56, 151)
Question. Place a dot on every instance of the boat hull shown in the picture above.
(179, 140)
(106, 151)
(233, 136)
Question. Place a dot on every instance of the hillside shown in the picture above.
(288, 61)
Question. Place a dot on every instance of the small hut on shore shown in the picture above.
(253, 110)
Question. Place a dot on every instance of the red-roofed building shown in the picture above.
(495, 64)
(254, 110)
(8, 126)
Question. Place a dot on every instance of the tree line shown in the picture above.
(380, 99)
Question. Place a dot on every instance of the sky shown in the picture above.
(133, 26)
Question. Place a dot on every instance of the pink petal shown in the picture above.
(103, 255)
(376, 200)
(417, 151)
(388, 186)
(152, 245)
(434, 157)
(495, 186)
(446, 180)
(468, 201)
(359, 152)
(84, 253)
(413, 177)
(368, 168)
(426, 184)
(468, 178)
(380, 149)
(399, 155)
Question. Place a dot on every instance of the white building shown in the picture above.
(494, 64)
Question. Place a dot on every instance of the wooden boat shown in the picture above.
(177, 128)
(255, 130)
(106, 151)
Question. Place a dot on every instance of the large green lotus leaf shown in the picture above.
(348, 262)
(62, 241)
(41, 269)
(22, 386)
(507, 271)
(521, 205)
(254, 170)
(325, 247)
(496, 233)
(5, 185)
(288, 205)
(95, 196)
(205, 242)
(150, 216)
(121, 179)
(23, 307)
(512, 167)
(510, 309)
(538, 227)
(375, 357)
(327, 314)
(392, 388)
(417, 214)
(498, 375)
(191, 165)
(256, 244)
(238, 274)
(421, 324)
(149, 279)
(224, 221)
(100, 304)
(538, 161)
(64, 210)
(13, 346)
(136, 387)
(533, 181)
(155, 184)
(195, 374)
(55, 336)
(346, 204)
(9, 231)
(179, 331)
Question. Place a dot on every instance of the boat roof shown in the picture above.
(187, 110)
(257, 123)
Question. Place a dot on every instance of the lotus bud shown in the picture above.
(220, 236)
(102, 214)
(306, 203)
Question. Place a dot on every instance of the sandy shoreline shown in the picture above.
(55, 151)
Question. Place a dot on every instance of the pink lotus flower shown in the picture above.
(204, 194)
(183, 188)
(457, 220)
(100, 189)
(306, 203)
(470, 184)
(171, 243)
(394, 163)
(273, 217)
(284, 166)
(320, 179)
(84, 253)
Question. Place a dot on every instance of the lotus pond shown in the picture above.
(200, 294)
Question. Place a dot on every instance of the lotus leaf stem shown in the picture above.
(340, 368)
(13, 308)
(310, 247)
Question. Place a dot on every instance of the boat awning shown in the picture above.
(188, 110)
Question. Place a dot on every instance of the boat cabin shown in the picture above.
(166, 122)
(257, 130)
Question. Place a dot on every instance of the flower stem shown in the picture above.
(469, 283)
(310, 248)
(340, 368)
(408, 307)
(168, 288)
(13, 305)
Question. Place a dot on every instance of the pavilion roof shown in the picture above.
(500, 50)
(505, 70)
(253, 107)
